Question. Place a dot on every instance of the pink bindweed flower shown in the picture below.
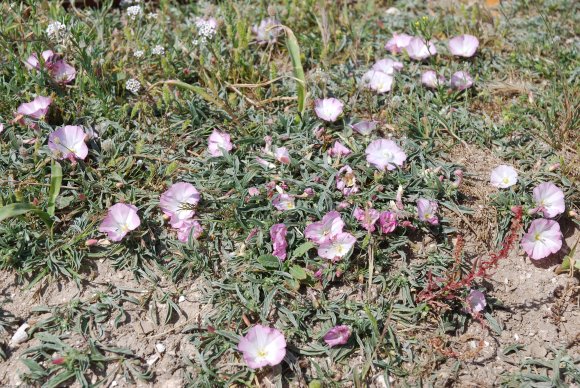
(503, 176)
(337, 247)
(458, 178)
(398, 42)
(281, 154)
(120, 220)
(367, 218)
(219, 143)
(338, 149)
(33, 63)
(476, 301)
(62, 72)
(262, 346)
(1, 127)
(283, 202)
(378, 81)
(279, 245)
(388, 222)
(346, 181)
(328, 109)
(329, 227)
(461, 80)
(431, 80)
(178, 202)
(309, 192)
(68, 142)
(426, 210)
(188, 228)
(338, 335)
(387, 66)
(385, 154)
(267, 31)
(36, 108)
(418, 49)
(365, 127)
(463, 45)
(253, 191)
(549, 199)
(342, 205)
(542, 239)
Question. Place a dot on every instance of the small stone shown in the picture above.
(160, 347)
(181, 299)
(20, 335)
(153, 359)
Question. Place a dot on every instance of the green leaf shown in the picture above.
(18, 209)
(294, 50)
(302, 249)
(298, 272)
(269, 261)
(55, 184)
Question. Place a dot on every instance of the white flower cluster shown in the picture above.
(133, 86)
(206, 29)
(134, 11)
(138, 53)
(152, 15)
(158, 50)
(56, 31)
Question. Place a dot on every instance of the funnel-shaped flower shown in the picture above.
(338, 247)
(262, 346)
(426, 210)
(68, 142)
(120, 220)
(188, 228)
(431, 80)
(367, 218)
(387, 66)
(329, 227)
(463, 45)
(398, 42)
(549, 199)
(328, 109)
(503, 176)
(278, 234)
(178, 202)
(418, 49)
(476, 301)
(378, 81)
(338, 335)
(219, 143)
(461, 80)
(36, 108)
(542, 239)
(385, 154)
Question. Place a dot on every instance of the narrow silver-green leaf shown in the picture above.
(55, 184)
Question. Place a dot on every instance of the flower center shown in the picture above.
(506, 180)
(387, 155)
(538, 236)
(339, 249)
(262, 353)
